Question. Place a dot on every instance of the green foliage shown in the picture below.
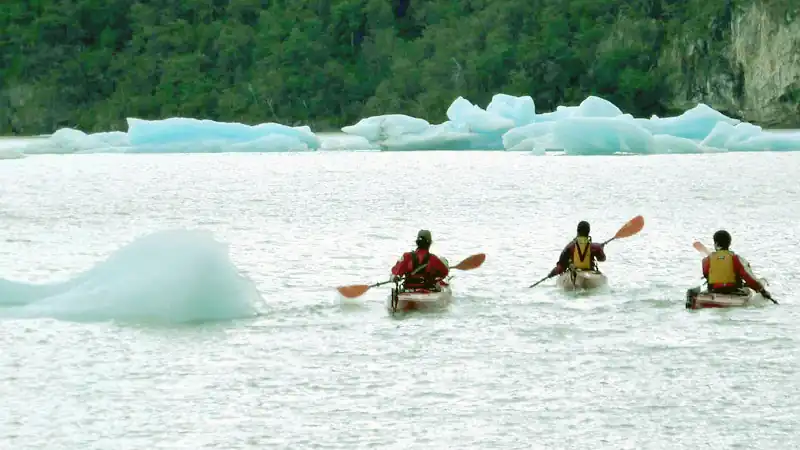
(91, 63)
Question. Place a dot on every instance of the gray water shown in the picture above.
(506, 367)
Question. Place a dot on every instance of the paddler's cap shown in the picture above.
(425, 235)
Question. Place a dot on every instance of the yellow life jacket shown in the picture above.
(582, 253)
(720, 269)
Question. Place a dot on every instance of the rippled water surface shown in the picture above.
(506, 367)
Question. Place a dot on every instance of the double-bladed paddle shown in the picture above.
(630, 228)
(357, 290)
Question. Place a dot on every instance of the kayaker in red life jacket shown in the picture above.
(726, 272)
(581, 253)
(421, 268)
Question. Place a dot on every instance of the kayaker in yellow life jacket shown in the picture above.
(581, 253)
(421, 268)
(726, 272)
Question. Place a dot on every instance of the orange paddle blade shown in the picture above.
(353, 291)
(471, 262)
(701, 248)
(633, 226)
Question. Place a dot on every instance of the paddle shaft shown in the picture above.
(539, 282)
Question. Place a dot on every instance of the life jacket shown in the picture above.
(418, 276)
(582, 253)
(720, 270)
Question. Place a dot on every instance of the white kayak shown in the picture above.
(747, 297)
(573, 280)
(420, 299)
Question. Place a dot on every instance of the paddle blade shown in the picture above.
(471, 262)
(353, 291)
(632, 227)
(701, 248)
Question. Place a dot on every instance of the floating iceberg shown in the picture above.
(508, 123)
(11, 148)
(695, 123)
(68, 140)
(521, 110)
(10, 154)
(382, 127)
(601, 135)
(181, 135)
(344, 142)
(172, 276)
(264, 137)
(595, 127)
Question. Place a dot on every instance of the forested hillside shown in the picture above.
(89, 64)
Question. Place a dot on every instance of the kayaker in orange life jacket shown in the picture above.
(726, 272)
(580, 253)
(421, 268)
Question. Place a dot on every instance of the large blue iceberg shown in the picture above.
(508, 123)
(595, 127)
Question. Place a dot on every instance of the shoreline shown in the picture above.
(44, 136)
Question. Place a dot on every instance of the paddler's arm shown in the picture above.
(563, 262)
(599, 252)
(742, 268)
(401, 266)
(437, 267)
(705, 265)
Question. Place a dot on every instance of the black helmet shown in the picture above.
(583, 228)
(424, 239)
(722, 239)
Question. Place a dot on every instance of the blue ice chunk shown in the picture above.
(520, 110)
(696, 123)
(602, 136)
(387, 126)
(476, 119)
(180, 130)
(596, 107)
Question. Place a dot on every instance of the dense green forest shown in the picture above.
(89, 64)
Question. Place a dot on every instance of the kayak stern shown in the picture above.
(573, 280)
(420, 299)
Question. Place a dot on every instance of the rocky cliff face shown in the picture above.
(747, 64)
